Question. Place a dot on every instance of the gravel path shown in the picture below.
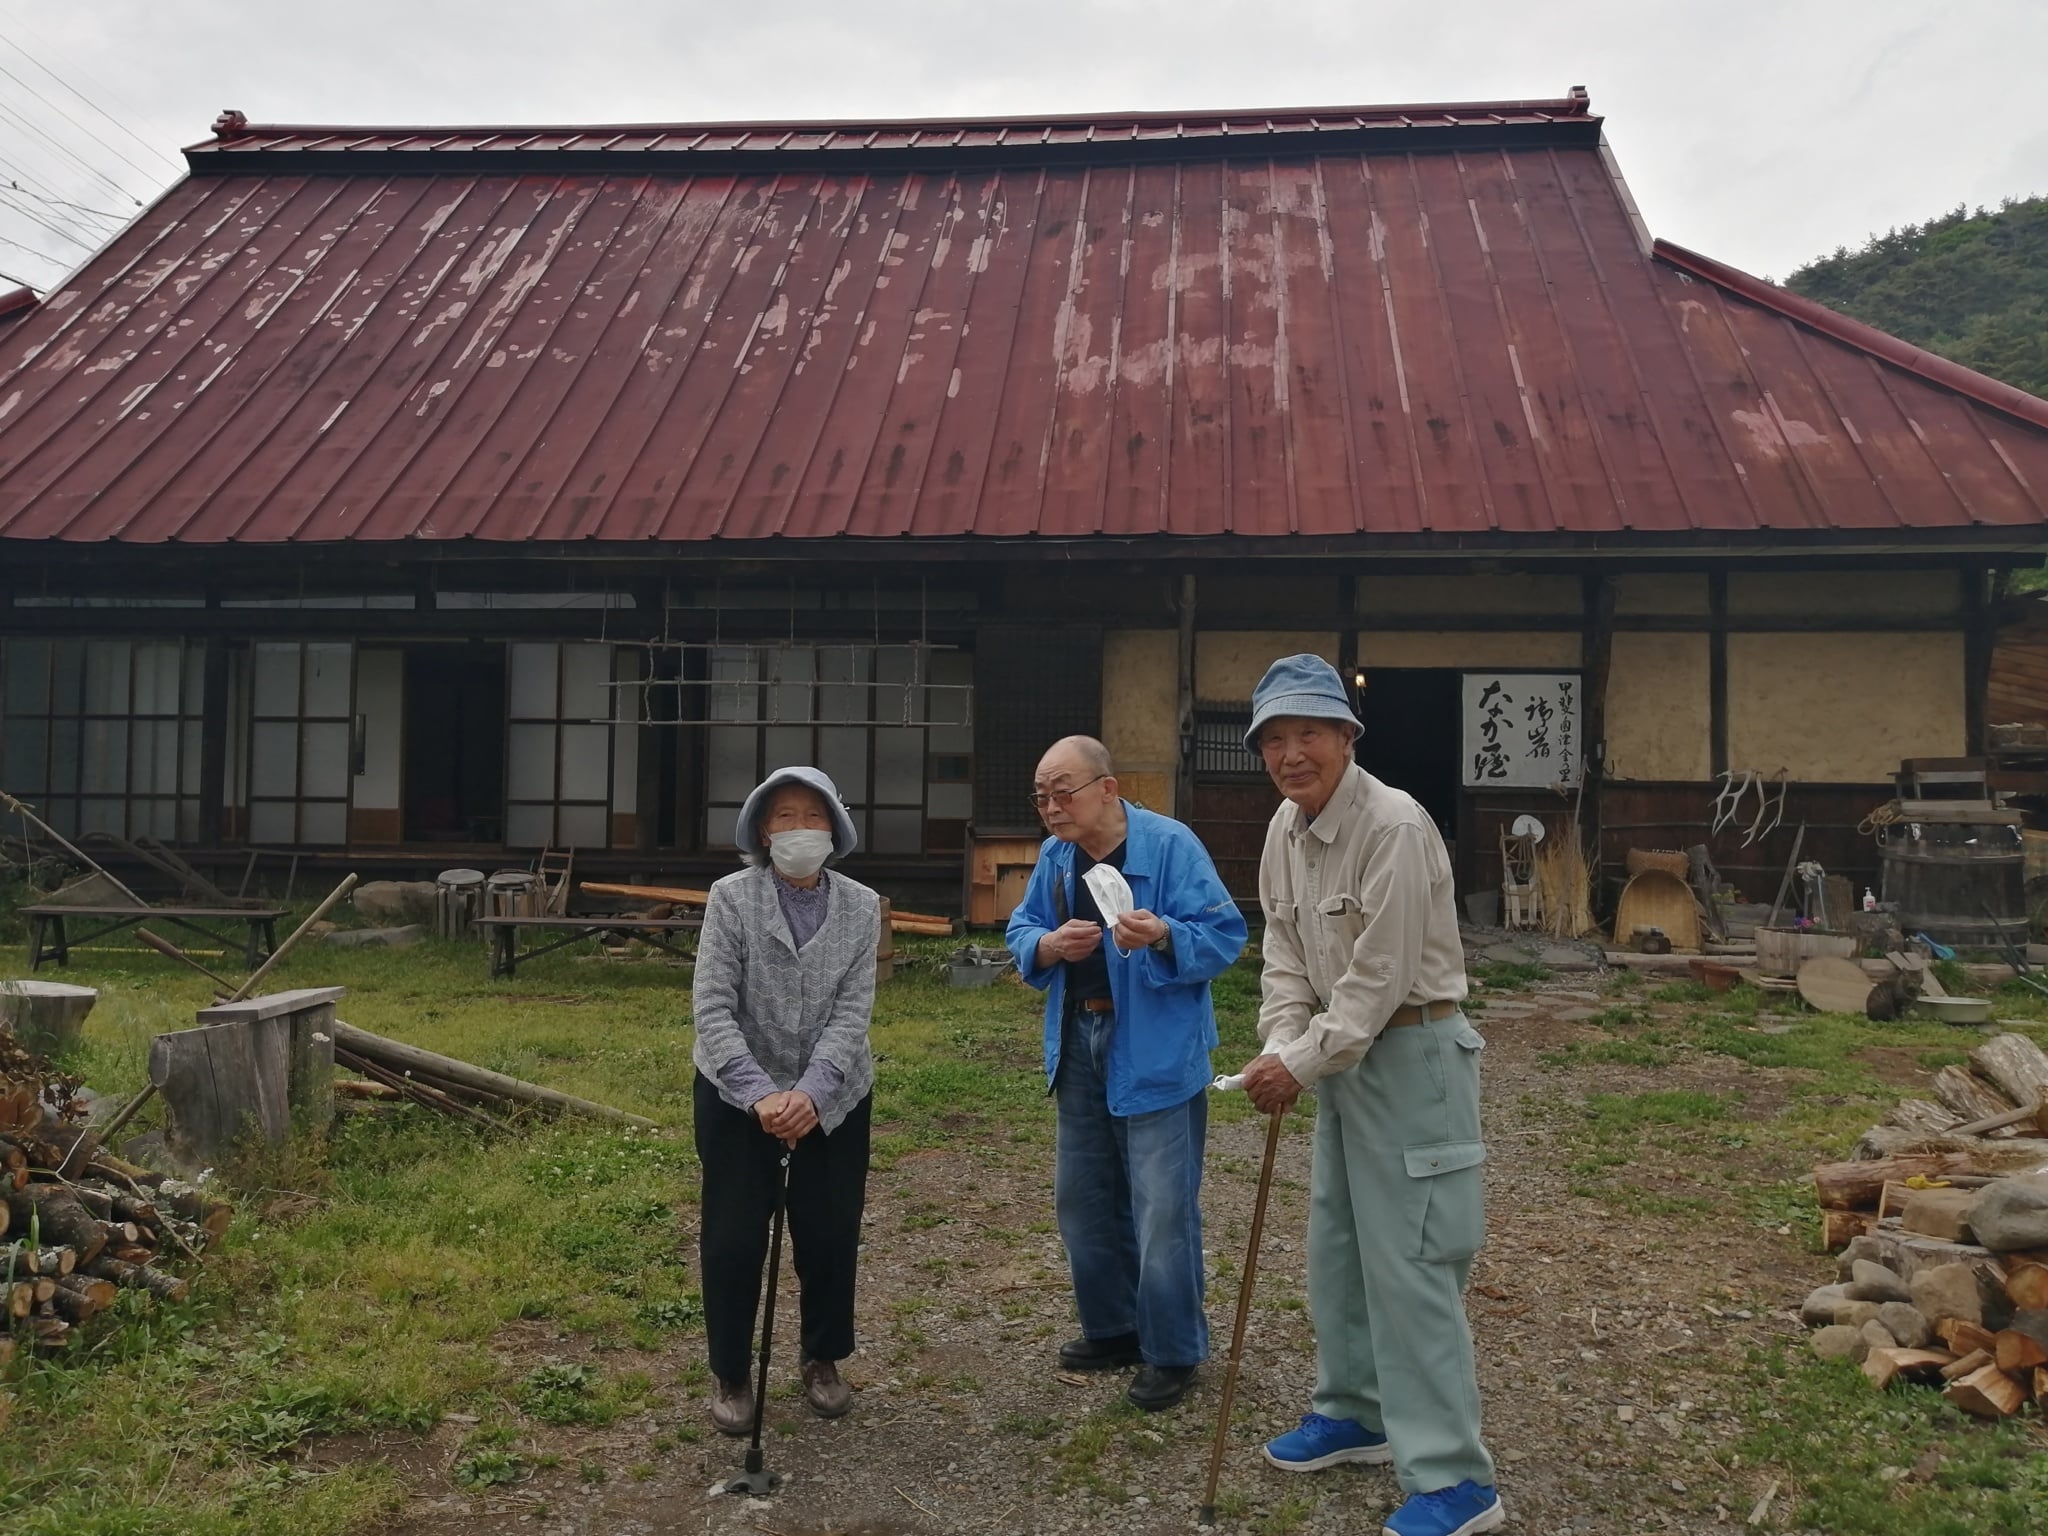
(1607, 1348)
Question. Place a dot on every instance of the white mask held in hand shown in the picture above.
(1112, 895)
(800, 854)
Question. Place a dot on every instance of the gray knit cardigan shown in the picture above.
(757, 994)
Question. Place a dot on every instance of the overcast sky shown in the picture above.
(1761, 132)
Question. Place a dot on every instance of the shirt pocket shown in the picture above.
(1341, 919)
(1447, 1200)
(1282, 912)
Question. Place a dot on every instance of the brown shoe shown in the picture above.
(732, 1407)
(828, 1396)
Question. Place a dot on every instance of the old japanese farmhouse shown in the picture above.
(412, 497)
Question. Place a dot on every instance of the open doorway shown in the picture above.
(1411, 736)
(455, 743)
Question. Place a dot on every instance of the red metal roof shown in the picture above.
(366, 335)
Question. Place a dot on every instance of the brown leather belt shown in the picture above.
(1095, 1005)
(1415, 1013)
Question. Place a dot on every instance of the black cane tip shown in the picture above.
(754, 1458)
(1207, 1515)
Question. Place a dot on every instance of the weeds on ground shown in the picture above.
(1903, 1462)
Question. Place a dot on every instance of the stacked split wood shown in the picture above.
(77, 1224)
(2001, 1096)
(1932, 1313)
(1921, 1297)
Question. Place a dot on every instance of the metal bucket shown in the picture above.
(1961, 883)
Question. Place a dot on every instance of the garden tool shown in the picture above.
(754, 1480)
(1244, 1303)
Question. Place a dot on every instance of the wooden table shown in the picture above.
(50, 939)
(504, 932)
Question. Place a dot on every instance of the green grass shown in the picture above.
(370, 1299)
(1902, 1462)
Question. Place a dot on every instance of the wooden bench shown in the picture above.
(504, 932)
(50, 939)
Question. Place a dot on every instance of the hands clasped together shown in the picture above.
(1078, 938)
(788, 1116)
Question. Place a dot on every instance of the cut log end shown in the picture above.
(1986, 1392)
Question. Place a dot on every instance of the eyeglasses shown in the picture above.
(1061, 797)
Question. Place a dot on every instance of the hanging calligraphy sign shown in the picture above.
(1521, 729)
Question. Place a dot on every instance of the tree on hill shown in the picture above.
(1970, 286)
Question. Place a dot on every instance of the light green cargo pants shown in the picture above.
(1396, 1213)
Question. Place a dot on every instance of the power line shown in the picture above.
(55, 261)
(98, 213)
(34, 217)
(146, 146)
(65, 150)
(42, 191)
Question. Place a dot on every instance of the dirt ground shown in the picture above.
(1605, 1341)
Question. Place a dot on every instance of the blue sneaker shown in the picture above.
(1458, 1511)
(1322, 1442)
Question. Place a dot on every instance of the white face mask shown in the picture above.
(800, 854)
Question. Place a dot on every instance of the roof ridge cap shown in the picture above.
(1941, 371)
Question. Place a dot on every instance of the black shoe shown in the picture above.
(1161, 1386)
(1101, 1354)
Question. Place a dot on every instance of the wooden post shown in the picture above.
(213, 744)
(1717, 672)
(1980, 640)
(1597, 662)
(1184, 775)
(261, 1068)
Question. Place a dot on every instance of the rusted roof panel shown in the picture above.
(1467, 339)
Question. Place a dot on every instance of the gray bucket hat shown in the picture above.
(747, 832)
(1298, 685)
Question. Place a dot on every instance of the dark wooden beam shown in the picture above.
(1717, 672)
(213, 742)
(1980, 640)
(1596, 663)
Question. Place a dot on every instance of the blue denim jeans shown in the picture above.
(1127, 1190)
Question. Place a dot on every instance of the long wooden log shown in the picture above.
(2017, 1066)
(334, 896)
(1998, 1122)
(1855, 1186)
(60, 1219)
(400, 1057)
(1988, 1154)
(140, 1277)
(927, 924)
(420, 1093)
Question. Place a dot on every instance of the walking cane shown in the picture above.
(1244, 1307)
(755, 1481)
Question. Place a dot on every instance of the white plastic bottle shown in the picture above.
(1869, 899)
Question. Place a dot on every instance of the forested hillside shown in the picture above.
(1971, 286)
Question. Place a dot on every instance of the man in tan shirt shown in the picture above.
(1364, 977)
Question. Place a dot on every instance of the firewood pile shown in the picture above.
(78, 1224)
(1942, 1224)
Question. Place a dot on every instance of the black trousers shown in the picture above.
(828, 1185)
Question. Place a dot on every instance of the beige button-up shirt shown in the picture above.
(1360, 919)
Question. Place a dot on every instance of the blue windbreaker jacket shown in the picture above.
(1165, 1026)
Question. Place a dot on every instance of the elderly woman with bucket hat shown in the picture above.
(1362, 991)
(785, 985)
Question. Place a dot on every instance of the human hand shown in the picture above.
(1075, 939)
(1137, 929)
(794, 1120)
(1269, 1084)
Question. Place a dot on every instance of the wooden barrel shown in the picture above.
(885, 947)
(1960, 883)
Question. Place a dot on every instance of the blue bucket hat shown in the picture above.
(747, 832)
(1299, 685)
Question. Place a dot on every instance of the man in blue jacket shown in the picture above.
(1128, 1031)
